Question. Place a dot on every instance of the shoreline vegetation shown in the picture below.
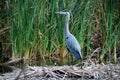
(31, 35)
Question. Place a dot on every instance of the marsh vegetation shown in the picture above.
(30, 29)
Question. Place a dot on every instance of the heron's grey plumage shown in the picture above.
(71, 42)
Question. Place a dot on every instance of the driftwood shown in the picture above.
(99, 72)
(13, 62)
(9, 66)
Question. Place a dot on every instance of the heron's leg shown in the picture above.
(79, 64)
(72, 62)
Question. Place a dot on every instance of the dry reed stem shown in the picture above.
(98, 71)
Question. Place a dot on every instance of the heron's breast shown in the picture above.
(71, 41)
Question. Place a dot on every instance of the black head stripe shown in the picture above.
(65, 10)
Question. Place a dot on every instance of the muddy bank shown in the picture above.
(92, 72)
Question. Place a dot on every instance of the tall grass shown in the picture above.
(109, 29)
(37, 30)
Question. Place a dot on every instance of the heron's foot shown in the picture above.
(74, 62)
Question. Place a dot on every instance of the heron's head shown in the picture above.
(64, 12)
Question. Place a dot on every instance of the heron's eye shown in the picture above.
(66, 37)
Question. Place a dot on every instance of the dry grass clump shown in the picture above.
(98, 71)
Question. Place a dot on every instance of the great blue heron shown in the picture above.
(71, 42)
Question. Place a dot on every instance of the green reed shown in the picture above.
(109, 30)
(37, 30)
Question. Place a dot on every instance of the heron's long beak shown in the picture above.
(60, 12)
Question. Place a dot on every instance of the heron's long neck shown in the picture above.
(67, 25)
